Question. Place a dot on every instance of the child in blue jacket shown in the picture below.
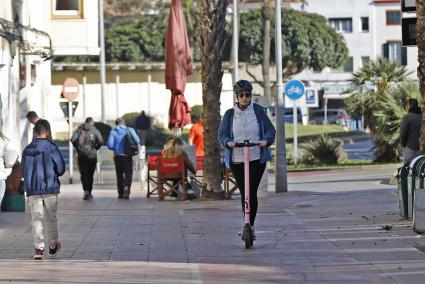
(42, 164)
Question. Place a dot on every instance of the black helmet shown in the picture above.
(242, 86)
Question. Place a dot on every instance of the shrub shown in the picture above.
(104, 130)
(324, 150)
(130, 119)
(290, 154)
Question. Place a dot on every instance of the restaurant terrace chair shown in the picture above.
(171, 177)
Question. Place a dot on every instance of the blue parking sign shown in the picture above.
(310, 97)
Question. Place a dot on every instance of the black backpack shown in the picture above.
(131, 148)
(86, 143)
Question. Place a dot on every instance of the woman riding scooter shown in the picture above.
(246, 121)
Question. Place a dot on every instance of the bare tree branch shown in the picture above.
(259, 82)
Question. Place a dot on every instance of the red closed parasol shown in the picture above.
(178, 65)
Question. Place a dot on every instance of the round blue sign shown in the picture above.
(294, 89)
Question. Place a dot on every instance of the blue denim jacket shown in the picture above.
(267, 132)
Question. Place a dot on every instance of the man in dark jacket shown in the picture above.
(87, 140)
(143, 124)
(410, 131)
(117, 141)
(42, 164)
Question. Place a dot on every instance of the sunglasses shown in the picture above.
(246, 95)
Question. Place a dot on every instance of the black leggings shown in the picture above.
(256, 170)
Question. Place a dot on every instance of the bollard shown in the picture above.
(402, 174)
(411, 183)
(143, 169)
(419, 198)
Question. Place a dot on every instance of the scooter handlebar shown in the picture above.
(246, 144)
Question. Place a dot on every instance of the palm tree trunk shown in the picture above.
(211, 32)
(267, 13)
(420, 31)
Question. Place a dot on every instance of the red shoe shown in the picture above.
(54, 251)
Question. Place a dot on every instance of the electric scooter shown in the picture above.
(247, 235)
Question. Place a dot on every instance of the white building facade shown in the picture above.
(31, 32)
(371, 29)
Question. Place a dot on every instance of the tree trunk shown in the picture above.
(267, 13)
(420, 31)
(211, 32)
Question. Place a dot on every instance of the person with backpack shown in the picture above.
(87, 140)
(124, 142)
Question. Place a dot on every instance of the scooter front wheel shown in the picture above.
(248, 242)
(248, 236)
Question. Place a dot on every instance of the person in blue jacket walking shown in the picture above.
(42, 164)
(246, 121)
(118, 137)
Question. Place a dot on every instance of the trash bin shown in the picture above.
(402, 174)
(419, 200)
(411, 185)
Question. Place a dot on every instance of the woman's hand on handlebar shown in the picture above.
(231, 144)
(263, 143)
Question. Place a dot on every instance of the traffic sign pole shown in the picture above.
(294, 90)
(295, 120)
(71, 149)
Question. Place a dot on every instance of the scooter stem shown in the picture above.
(245, 150)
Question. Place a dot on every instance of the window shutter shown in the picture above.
(386, 49)
(403, 55)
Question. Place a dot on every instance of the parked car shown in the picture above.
(335, 116)
(288, 114)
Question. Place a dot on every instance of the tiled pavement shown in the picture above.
(303, 237)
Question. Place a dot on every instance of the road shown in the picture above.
(361, 149)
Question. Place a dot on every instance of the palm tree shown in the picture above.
(420, 30)
(211, 32)
(371, 85)
(392, 108)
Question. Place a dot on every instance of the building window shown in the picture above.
(393, 18)
(364, 23)
(365, 60)
(394, 51)
(347, 66)
(344, 25)
(67, 9)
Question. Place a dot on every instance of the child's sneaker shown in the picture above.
(38, 254)
(54, 251)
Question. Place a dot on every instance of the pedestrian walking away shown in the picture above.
(87, 140)
(32, 118)
(123, 141)
(8, 158)
(143, 125)
(410, 131)
(42, 164)
(246, 121)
